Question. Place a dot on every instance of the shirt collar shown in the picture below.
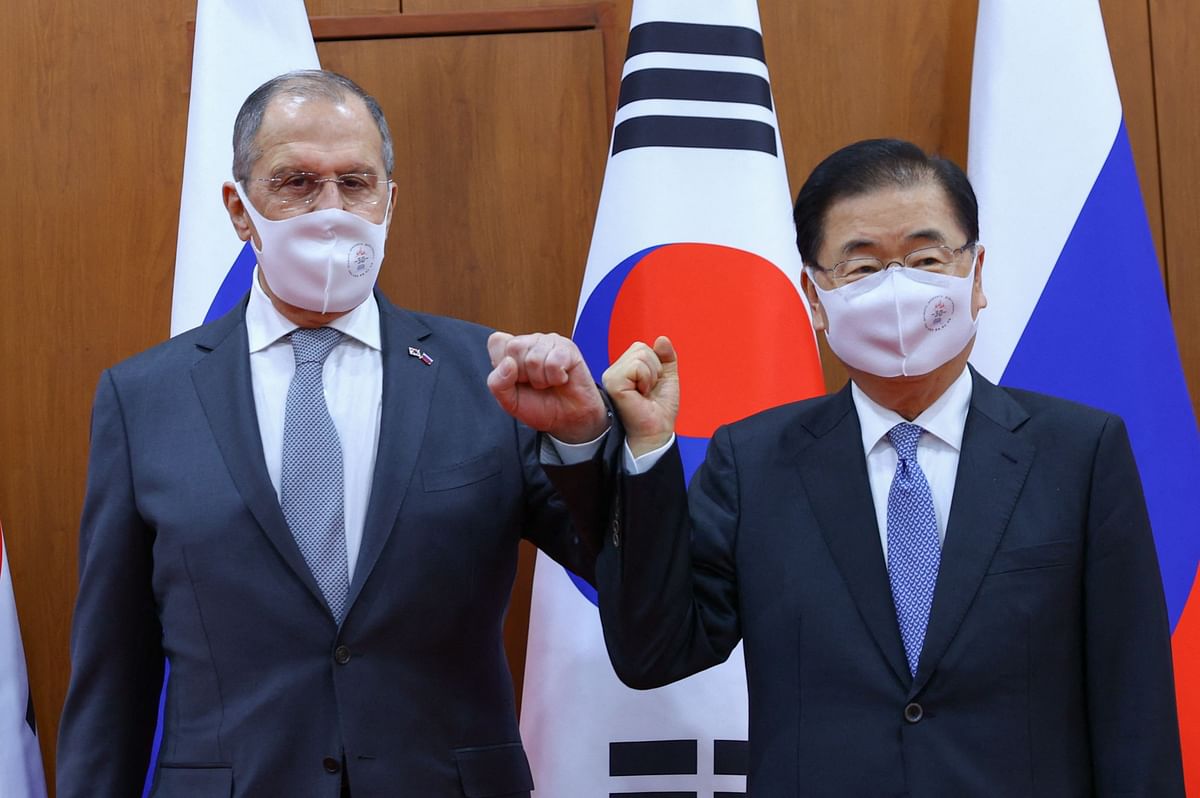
(265, 324)
(946, 418)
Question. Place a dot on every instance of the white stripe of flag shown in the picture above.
(20, 759)
(239, 46)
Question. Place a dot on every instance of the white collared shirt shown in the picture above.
(937, 450)
(353, 381)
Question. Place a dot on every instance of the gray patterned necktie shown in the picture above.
(311, 485)
(913, 549)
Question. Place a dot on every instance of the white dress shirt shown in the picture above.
(353, 381)
(937, 450)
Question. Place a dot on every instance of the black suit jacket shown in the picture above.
(185, 554)
(1046, 669)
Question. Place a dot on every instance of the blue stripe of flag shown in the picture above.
(1101, 334)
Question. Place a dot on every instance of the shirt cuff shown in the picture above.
(642, 464)
(555, 452)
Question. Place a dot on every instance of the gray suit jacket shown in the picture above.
(185, 556)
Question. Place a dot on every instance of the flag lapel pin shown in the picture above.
(419, 355)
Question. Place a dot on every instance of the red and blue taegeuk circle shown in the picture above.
(740, 329)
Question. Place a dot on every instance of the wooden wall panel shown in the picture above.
(436, 6)
(499, 167)
(1175, 27)
(92, 126)
(339, 8)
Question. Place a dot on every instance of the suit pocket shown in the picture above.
(494, 771)
(193, 781)
(467, 472)
(1028, 558)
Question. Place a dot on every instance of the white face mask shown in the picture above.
(326, 261)
(900, 321)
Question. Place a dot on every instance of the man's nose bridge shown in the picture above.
(322, 200)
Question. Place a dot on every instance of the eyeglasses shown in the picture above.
(297, 190)
(940, 260)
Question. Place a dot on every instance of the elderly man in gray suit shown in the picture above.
(310, 508)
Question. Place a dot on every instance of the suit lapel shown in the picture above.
(992, 468)
(845, 512)
(222, 380)
(408, 385)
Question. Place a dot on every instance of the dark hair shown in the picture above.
(867, 165)
(309, 83)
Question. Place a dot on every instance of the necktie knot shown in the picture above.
(904, 437)
(313, 344)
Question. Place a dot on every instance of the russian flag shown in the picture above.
(693, 239)
(21, 773)
(1077, 305)
(238, 47)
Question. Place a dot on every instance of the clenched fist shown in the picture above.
(542, 380)
(644, 387)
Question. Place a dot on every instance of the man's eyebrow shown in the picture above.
(925, 234)
(856, 244)
(361, 168)
(929, 234)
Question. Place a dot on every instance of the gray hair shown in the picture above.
(314, 84)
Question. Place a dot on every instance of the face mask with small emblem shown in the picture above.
(325, 261)
(900, 322)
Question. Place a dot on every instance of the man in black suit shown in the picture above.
(945, 588)
(310, 508)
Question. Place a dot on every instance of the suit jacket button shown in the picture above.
(331, 765)
(341, 655)
(913, 713)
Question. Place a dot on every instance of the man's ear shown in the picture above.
(393, 198)
(978, 298)
(819, 320)
(242, 224)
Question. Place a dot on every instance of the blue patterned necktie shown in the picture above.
(311, 485)
(913, 549)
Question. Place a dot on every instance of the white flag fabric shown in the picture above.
(693, 239)
(239, 46)
(21, 773)
(1078, 307)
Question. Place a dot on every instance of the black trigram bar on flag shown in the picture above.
(694, 84)
(686, 37)
(675, 758)
(722, 84)
(652, 758)
(694, 131)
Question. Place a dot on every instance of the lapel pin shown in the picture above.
(419, 355)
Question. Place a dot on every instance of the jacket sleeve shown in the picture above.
(108, 721)
(570, 502)
(1130, 687)
(666, 574)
